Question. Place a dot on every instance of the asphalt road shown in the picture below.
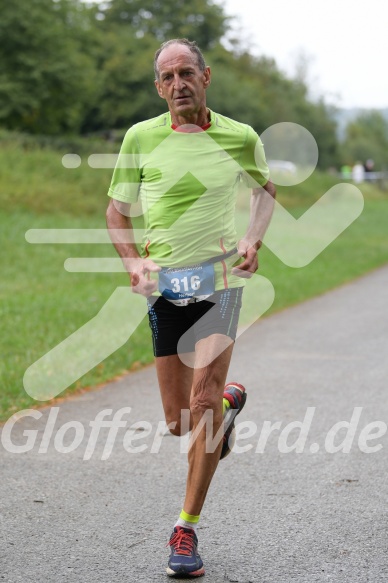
(272, 515)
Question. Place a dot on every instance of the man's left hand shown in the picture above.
(250, 264)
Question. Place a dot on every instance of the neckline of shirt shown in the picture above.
(185, 131)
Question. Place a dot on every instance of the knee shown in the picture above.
(176, 429)
(179, 426)
(205, 405)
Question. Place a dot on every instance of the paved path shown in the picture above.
(272, 517)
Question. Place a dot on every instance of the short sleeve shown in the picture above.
(253, 161)
(126, 179)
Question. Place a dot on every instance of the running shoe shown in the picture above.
(236, 395)
(184, 559)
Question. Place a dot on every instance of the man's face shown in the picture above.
(181, 82)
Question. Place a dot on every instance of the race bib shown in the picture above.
(181, 284)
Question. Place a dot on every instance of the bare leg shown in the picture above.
(199, 390)
(175, 382)
(206, 396)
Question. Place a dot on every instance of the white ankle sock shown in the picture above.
(187, 521)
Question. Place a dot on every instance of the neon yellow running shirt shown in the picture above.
(187, 182)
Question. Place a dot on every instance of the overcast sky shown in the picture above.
(346, 41)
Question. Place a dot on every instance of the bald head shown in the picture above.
(184, 42)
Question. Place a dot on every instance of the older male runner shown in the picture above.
(185, 167)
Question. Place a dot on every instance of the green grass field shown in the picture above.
(42, 304)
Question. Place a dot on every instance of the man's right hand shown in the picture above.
(139, 273)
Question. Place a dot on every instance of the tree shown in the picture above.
(253, 90)
(67, 66)
(367, 137)
(201, 20)
(128, 94)
(46, 80)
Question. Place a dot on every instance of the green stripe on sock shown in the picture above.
(189, 517)
(225, 405)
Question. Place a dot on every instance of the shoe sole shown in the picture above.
(193, 574)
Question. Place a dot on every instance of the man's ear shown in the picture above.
(207, 77)
(159, 89)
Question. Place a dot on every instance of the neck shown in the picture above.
(200, 118)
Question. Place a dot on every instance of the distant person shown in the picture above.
(190, 240)
(346, 171)
(358, 173)
(369, 168)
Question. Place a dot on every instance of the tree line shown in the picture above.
(70, 67)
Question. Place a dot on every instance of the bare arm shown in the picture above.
(121, 233)
(261, 209)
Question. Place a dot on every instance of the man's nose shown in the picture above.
(179, 83)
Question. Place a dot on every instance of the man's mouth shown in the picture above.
(180, 97)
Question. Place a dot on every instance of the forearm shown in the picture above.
(261, 208)
(121, 233)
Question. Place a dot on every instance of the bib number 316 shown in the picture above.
(186, 284)
(183, 283)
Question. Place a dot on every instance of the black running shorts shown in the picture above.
(170, 324)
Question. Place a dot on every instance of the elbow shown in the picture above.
(117, 215)
(108, 213)
(111, 213)
(270, 188)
